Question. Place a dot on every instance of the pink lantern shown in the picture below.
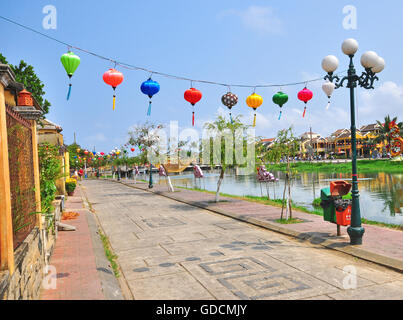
(305, 95)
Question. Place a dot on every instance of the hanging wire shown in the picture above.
(167, 75)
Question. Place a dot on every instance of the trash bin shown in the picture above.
(339, 188)
(327, 203)
(343, 212)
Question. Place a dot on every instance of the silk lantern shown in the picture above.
(132, 149)
(328, 87)
(70, 63)
(229, 100)
(113, 78)
(280, 99)
(193, 96)
(150, 88)
(305, 95)
(254, 101)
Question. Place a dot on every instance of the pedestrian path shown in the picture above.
(380, 245)
(74, 259)
(169, 249)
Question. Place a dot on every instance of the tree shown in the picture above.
(25, 74)
(217, 129)
(385, 129)
(286, 145)
(146, 136)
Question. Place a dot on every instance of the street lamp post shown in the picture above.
(150, 182)
(373, 64)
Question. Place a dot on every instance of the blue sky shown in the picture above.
(247, 42)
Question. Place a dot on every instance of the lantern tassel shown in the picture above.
(69, 92)
(303, 116)
(114, 101)
(193, 118)
(328, 105)
(149, 109)
(254, 121)
(230, 115)
(279, 117)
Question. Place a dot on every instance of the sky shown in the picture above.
(227, 41)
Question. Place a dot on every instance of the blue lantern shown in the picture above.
(94, 153)
(150, 88)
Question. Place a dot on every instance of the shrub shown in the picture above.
(70, 187)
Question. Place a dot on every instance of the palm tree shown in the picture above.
(385, 129)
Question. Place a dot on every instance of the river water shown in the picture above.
(381, 194)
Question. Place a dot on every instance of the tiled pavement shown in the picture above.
(74, 260)
(386, 243)
(172, 250)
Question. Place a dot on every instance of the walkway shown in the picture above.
(380, 245)
(172, 250)
(82, 269)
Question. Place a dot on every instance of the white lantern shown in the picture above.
(350, 47)
(330, 64)
(328, 87)
(369, 59)
(380, 65)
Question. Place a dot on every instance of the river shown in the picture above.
(381, 194)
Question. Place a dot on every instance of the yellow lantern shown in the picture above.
(254, 101)
(78, 150)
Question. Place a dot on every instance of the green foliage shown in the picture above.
(109, 254)
(25, 74)
(50, 167)
(364, 166)
(70, 187)
(219, 128)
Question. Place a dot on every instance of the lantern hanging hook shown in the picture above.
(151, 74)
(115, 64)
(229, 88)
(191, 83)
(68, 48)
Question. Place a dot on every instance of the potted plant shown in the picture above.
(70, 187)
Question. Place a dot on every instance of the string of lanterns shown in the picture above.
(150, 88)
(114, 78)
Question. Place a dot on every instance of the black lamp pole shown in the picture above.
(366, 81)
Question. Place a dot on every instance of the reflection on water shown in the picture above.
(381, 194)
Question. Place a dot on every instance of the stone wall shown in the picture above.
(30, 259)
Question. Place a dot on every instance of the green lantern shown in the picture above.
(280, 99)
(70, 63)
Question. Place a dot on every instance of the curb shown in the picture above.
(113, 288)
(363, 254)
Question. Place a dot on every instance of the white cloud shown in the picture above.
(385, 99)
(260, 19)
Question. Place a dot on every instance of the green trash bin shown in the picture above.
(329, 210)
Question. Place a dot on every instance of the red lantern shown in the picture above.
(193, 96)
(132, 149)
(305, 95)
(102, 154)
(85, 152)
(113, 78)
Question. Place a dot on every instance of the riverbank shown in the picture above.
(364, 166)
(278, 203)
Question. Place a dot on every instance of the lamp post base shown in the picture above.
(356, 235)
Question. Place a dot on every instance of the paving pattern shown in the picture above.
(171, 250)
